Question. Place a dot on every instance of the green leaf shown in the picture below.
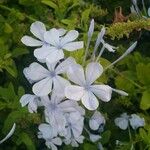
(50, 3)
(123, 83)
(144, 136)
(8, 28)
(14, 116)
(11, 70)
(26, 139)
(88, 146)
(145, 101)
(143, 73)
(19, 51)
(2, 105)
(105, 137)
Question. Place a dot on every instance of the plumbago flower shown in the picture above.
(57, 43)
(64, 115)
(85, 90)
(134, 120)
(44, 79)
(32, 101)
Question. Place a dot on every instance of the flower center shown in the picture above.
(52, 74)
(87, 87)
(52, 107)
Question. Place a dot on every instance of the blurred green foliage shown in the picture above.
(132, 74)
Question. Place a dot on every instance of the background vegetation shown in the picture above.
(132, 74)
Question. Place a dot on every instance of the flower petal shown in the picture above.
(73, 46)
(51, 66)
(96, 120)
(68, 106)
(61, 31)
(93, 71)
(47, 131)
(43, 52)
(122, 123)
(29, 41)
(103, 92)
(90, 101)
(11, 132)
(74, 92)
(57, 141)
(136, 121)
(59, 85)
(25, 99)
(76, 74)
(52, 37)
(63, 67)
(55, 56)
(38, 29)
(43, 87)
(69, 37)
(36, 72)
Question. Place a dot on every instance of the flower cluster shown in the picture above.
(61, 84)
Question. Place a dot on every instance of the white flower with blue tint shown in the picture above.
(94, 137)
(96, 120)
(109, 47)
(74, 142)
(57, 43)
(31, 100)
(123, 121)
(56, 109)
(136, 121)
(11, 132)
(50, 136)
(38, 29)
(86, 91)
(74, 126)
(45, 79)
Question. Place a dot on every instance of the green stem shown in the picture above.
(130, 137)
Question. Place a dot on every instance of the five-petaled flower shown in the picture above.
(86, 91)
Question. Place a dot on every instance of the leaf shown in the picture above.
(2, 105)
(123, 84)
(105, 137)
(143, 134)
(14, 116)
(8, 28)
(88, 146)
(11, 71)
(19, 51)
(145, 101)
(50, 3)
(143, 72)
(26, 139)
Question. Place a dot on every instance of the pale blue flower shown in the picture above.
(136, 121)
